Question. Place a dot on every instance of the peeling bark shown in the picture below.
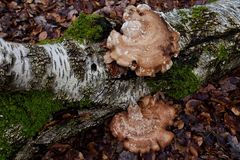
(75, 71)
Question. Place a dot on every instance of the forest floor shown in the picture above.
(207, 125)
(36, 20)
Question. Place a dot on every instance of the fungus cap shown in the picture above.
(146, 44)
(142, 127)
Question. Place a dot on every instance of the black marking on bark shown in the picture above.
(4, 54)
(13, 60)
(60, 51)
(56, 51)
(65, 65)
(56, 84)
(60, 61)
(93, 67)
(16, 76)
(2, 77)
(51, 53)
(21, 55)
(55, 65)
(23, 67)
(59, 72)
(63, 74)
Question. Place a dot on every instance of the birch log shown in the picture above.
(74, 70)
(209, 44)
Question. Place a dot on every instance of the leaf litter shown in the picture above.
(35, 20)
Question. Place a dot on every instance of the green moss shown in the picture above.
(51, 41)
(184, 16)
(5, 149)
(218, 50)
(177, 83)
(198, 11)
(211, 1)
(85, 102)
(30, 110)
(222, 53)
(198, 18)
(91, 27)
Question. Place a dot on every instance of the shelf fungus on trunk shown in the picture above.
(143, 127)
(146, 44)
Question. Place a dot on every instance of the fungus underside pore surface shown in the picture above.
(141, 46)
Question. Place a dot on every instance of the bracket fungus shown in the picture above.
(146, 44)
(142, 127)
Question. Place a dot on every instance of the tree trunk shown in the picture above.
(210, 47)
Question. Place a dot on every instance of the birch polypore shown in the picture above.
(147, 43)
(142, 127)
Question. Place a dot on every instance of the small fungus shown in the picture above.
(142, 127)
(146, 44)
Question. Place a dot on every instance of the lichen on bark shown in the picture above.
(205, 22)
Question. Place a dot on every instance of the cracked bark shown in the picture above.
(67, 68)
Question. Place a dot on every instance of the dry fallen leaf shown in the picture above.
(198, 140)
(179, 124)
(236, 111)
(43, 35)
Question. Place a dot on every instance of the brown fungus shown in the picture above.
(147, 43)
(142, 127)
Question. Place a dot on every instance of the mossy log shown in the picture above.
(210, 47)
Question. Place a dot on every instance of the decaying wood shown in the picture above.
(75, 71)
